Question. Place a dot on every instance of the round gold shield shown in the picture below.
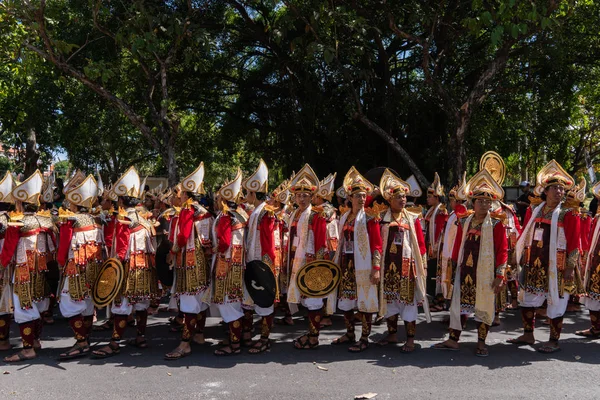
(108, 283)
(494, 164)
(318, 278)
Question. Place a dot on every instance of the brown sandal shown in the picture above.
(349, 339)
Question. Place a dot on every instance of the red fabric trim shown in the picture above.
(109, 233)
(440, 224)
(173, 227)
(122, 234)
(11, 239)
(267, 240)
(420, 237)
(572, 226)
(186, 223)
(500, 244)
(374, 235)
(586, 231)
(319, 227)
(223, 230)
(65, 237)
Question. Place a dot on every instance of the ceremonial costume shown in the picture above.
(592, 273)
(480, 253)
(445, 272)
(403, 273)
(7, 184)
(192, 252)
(435, 219)
(358, 255)
(280, 199)
(326, 214)
(494, 164)
(547, 249)
(79, 255)
(228, 261)
(28, 245)
(261, 245)
(307, 242)
(134, 245)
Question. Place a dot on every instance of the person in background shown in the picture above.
(523, 200)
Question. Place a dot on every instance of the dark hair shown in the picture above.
(261, 196)
(4, 206)
(129, 201)
(543, 195)
(82, 209)
(28, 207)
(194, 196)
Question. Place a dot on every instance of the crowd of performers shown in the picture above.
(469, 256)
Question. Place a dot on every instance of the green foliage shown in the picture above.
(287, 81)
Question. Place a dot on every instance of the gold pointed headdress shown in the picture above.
(461, 191)
(340, 192)
(534, 195)
(458, 191)
(391, 185)
(494, 164)
(30, 189)
(576, 195)
(194, 182)
(436, 188)
(110, 194)
(48, 189)
(165, 196)
(75, 180)
(282, 192)
(553, 174)
(415, 188)
(128, 184)
(259, 180)
(230, 191)
(85, 193)
(596, 190)
(7, 184)
(354, 182)
(326, 187)
(305, 181)
(483, 186)
(100, 184)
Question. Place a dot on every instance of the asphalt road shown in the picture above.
(509, 372)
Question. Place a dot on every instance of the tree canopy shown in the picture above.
(420, 87)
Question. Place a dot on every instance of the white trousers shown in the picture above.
(230, 311)
(192, 304)
(553, 310)
(31, 314)
(347, 304)
(264, 312)
(591, 304)
(126, 307)
(408, 312)
(70, 308)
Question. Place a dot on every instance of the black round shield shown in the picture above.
(260, 283)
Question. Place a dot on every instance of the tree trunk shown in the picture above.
(395, 146)
(458, 154)
(171, 161)
(32, 154)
